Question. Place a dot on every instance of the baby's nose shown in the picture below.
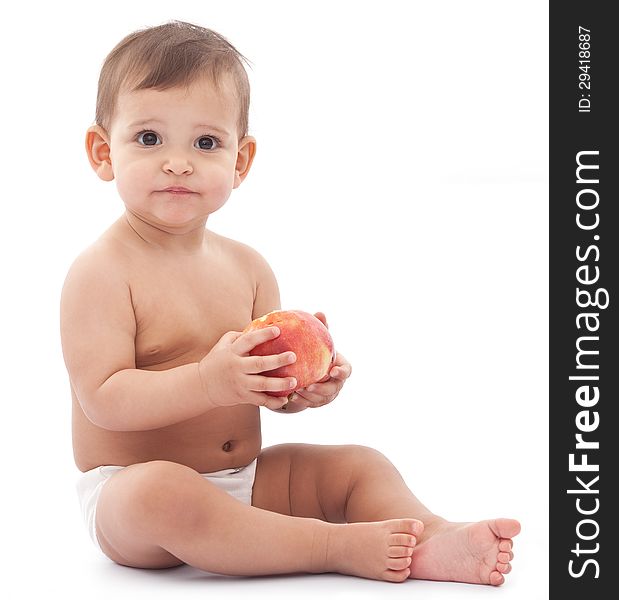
(178, 166)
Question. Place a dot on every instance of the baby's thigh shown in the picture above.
(307, 480)
(127, 514)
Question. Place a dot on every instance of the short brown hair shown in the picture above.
(174, 54)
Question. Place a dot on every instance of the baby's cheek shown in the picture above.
(133, 181)
(218, 185)
(126, 189)
(223, 174)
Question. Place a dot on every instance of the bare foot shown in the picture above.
(467, 552)
(376, 550)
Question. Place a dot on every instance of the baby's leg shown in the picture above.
(162, 514)
(355, 483)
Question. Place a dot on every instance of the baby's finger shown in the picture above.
(259, 383)
(299, 400)
(321, 317)
(341, 369)
(230, 337)
(260, 364)
(271, 402)
(341, 373)
(314, 399)
(248, 341)
(328, 388)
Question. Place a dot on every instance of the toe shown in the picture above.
(398, 564)
(506, 528)
(503, 557)
(503, 568)
(505, 545)
(496, 578)
(410, 526)
(402, 539)
(399, 551)
(397, 576)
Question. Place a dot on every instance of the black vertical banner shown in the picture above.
(584, 296)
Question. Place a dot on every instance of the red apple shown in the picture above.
(303, 334)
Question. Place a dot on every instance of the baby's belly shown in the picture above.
(222, 438)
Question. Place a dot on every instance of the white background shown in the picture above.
(400, 187)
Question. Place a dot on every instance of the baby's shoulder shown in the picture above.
(262, 277)
(101, 261)
(245, 256)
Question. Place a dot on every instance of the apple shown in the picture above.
(303, 334)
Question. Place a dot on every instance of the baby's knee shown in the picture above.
(136, 510)
(157, 490)
(361, 455)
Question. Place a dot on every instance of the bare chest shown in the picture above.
(181, 311)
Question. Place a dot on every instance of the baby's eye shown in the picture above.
(207, 142)
(148, 138)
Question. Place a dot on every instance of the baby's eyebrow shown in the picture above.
(213, 127)
(143, 122)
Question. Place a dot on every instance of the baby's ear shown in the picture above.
(247, 151)
(98, 150)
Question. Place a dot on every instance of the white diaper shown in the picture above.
(237, 482)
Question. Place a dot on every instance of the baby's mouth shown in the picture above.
(178, 190)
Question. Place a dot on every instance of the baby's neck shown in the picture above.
(189, 240)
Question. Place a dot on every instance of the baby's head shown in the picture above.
(172, 110)
(173, 55)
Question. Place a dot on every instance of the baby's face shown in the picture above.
(175, 138)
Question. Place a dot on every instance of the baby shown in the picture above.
(166, 397)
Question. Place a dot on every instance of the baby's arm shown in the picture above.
(98, 338)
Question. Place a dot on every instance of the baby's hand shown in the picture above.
(326, 390)
(230, 375)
